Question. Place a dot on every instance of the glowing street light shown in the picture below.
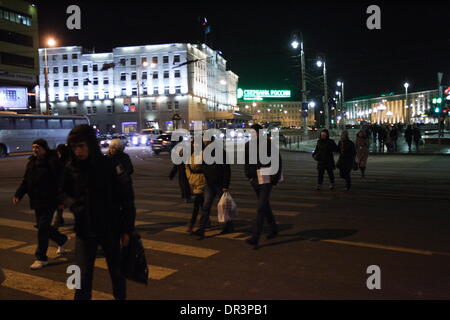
(50, 43)
(295, 44)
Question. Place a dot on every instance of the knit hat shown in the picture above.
(42, 143)
(84, 133)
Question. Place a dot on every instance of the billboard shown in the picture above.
(13, 98)
(260, 94)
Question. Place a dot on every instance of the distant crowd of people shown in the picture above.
(387, 136)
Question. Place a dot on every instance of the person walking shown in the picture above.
(42, 181)
(416, 136)
(197, 185)
(217, 177)
(374, 134)
(183, 182)
(323, 154)
(103, 208)
(382, 134)
(346, 161)
(253, 172)
(63, 152)
(116, 152)
(394, 137)
(362, 151)
(409, 136)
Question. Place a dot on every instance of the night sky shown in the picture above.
(413, 44)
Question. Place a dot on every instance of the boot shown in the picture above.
(229, 228)
(253, 241)
(200, 233)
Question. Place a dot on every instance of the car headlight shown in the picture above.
(222, 135)
(143, 140)
(102, 142)
(135, 140)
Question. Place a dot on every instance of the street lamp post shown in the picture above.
(51, 43)
(295, 45)
(321, 63)
(340, 84)
(406, 85)
(139, 69)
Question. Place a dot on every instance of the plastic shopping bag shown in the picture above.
(226, 208)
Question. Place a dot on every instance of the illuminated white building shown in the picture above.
(147, 84)
(391, 108)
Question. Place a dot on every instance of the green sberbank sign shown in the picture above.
(261, 94)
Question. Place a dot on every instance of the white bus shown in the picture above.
(18, 131)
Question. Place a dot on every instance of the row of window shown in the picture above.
(124, 92)
(12, 123)
(16, 38)
(15, 17)
(123, 61)
(64, 57)
(16, 60)
(133, 61)
(153, 106)
(123, 75)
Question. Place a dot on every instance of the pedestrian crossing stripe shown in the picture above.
(25, 225)
(6, 244)
(44, 287)
(51, 252)
(178, 248)
(214, 233)
(154, 272)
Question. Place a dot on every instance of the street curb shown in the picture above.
(385, 154)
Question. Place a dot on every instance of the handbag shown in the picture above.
(133, 263)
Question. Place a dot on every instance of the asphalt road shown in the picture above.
(396, 218)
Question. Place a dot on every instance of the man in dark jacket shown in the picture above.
(262, 189)
(41, 182)
(409, 136)
(416, 136)
(346, 161)
(103, 208)
(323, 154)
(217, 178)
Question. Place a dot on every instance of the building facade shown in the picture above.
(391, 108)
(138, 87)
(19, 43)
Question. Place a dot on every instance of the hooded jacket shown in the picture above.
(41, 181)
(323, 153)
(101, 202)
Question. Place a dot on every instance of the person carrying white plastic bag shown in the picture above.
(226, 208)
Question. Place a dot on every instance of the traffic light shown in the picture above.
(436, 101)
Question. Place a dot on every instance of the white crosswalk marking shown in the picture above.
(154, 272)
(43, 287)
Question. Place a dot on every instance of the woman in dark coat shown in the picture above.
(346, 161)
(323, 154)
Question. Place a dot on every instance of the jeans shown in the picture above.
(44, 217)
(198, 203)
(321, 174)
(264, 210)
(86, 252)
